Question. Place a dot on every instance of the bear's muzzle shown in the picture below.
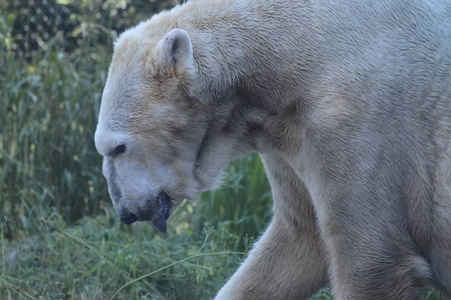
(157, 212)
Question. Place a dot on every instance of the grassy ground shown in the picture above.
(100, 258)
(59, 238)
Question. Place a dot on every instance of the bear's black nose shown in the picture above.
(129, 218)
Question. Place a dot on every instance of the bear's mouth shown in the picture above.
(158, 213)
(163, 211)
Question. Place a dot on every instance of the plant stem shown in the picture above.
(18, 290)
(171, 265)
(76, 239)
(2, 237)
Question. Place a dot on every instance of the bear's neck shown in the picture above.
(249, 57)
(246, 64)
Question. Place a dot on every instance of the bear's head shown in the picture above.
(161, 141)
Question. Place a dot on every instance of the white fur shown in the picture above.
(348, 103)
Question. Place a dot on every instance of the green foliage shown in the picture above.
(78, 22)
(96, 257)
(49, 108)
(243, 203)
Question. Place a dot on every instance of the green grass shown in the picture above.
(98, 257)
(243, 203)
(49, 106)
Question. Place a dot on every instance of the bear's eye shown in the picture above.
(118, 150)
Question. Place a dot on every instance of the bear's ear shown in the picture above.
(175, 52)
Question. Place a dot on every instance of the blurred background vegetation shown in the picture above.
(59, 236)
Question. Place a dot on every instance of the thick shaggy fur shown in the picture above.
(348, 103)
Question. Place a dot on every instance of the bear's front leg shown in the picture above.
(371, 262)
(363, 203)
(287, 262)
(281, 266)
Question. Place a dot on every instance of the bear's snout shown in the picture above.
(157, 211)
(129, 218)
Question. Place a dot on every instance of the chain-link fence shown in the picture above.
(39, 22)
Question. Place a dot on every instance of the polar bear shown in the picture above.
(348, 103)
